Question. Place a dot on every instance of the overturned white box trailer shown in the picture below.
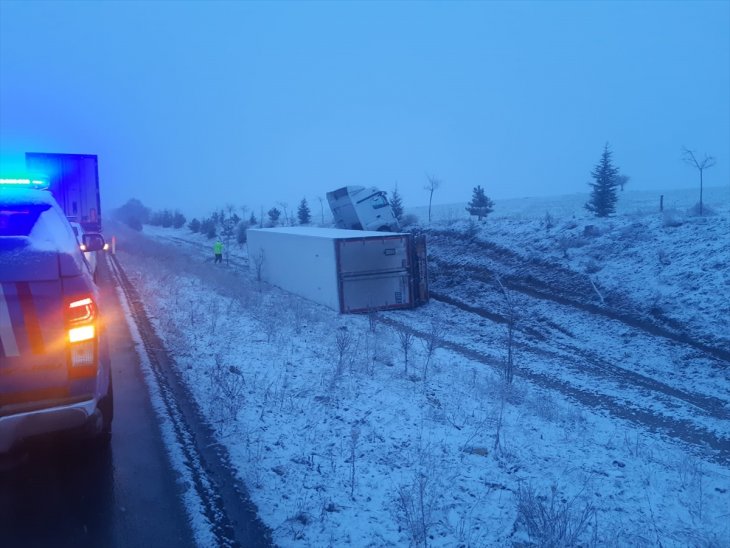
(345, 270)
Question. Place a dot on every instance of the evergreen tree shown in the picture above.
(396, 203)
(605, 180)
(227, 227)
(210, 231)
(480, 204)
(241, 235)
(207, 227)
(228, 220)
(166, 216)
(178, 219)
(274, 215)
(133, 214)
(303, 213)
(194, 225)
(252, 220)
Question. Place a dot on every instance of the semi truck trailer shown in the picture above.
(345, 270)
(74, 182)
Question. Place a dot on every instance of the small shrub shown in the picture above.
(228, 386)
(591, 267)
(664, 258)
(408, 220)
(415, 507)
(545, 407)
(343, 343)
(134, 223)
(567, 242)
(548, 221)
(671, 219)
(553, 520)
(704, 211)
(591, 231)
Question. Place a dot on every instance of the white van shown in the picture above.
(361, 208)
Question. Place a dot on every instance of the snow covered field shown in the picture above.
(349, 431)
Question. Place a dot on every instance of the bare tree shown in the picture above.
(228, 220)
(509, 363)
(258, 263)
(701, 165)
(415, 506)
(354, 437)
(433, 184)
(343, 343)
(432, 342)
(405, 337)
(244, 211)
(321, 207)
(622, 180)
(508, 369)
(284, 206)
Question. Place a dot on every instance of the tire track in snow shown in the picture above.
(716, 447)
(531, 286)
(709, 405)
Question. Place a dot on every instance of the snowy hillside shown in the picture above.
(399, 429)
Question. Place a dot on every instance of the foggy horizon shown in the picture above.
(197, 105)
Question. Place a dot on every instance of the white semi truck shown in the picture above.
(361, 208)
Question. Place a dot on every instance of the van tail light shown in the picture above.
(81, 315)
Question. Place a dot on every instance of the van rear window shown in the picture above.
(20, 220)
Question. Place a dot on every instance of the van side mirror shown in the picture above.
(93, 242)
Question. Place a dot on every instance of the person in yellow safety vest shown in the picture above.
(218, 250)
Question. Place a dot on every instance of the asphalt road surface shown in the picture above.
(65, 493)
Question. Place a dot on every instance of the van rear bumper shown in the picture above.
(17, 427)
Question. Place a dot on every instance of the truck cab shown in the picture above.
(362, 208)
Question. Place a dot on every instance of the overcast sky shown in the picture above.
(194, 105)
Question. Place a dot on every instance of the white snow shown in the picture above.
(339, 445)
(199, 524)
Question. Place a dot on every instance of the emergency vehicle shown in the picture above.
(55, 369)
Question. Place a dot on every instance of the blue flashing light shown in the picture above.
(25, 183)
